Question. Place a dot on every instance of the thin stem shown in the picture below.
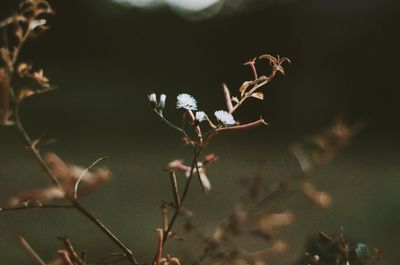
(198, 175)
(74, 202)
(196, 150)
(248, 94)
(18, 48)
(36, 207)
(27, 140)
(32, 253)
(71, 250)
(106, 231)
(243, 126)
(84, 173)
(173, 126)
(10, 20)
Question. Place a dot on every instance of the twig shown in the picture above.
(158, 257)
(248, 94)
(31, 253)
(173, 126)
(67, 206)
(85, 172)
(183, 196)
(27, 140)
(65, 257)
(243, 126)
(71, 250)
(175, 189)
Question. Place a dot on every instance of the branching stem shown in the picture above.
(74, 202)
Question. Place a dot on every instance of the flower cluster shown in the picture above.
(189, 104)
(198, 128)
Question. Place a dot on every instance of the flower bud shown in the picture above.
(161, 105)
(153, 100)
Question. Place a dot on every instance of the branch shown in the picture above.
(71, 250)
(27, 140)
(31, 253)
(243, 126)
(67, 206)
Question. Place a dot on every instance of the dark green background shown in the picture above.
(105, 59)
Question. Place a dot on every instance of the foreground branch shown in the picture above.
(31, 147)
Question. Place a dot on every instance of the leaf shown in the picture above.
(235, 99)
(258, 95)
(279, 68)
(244, 87)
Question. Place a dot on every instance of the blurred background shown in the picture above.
(105, 57)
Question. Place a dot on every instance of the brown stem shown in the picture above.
(32, 253)
(74, 202)
(71, 250)
(248, 94)
(196, 150)
(35, 207)
(106, 231)
(159, 247)
(243, 126)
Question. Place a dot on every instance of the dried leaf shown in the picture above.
(322, 199)
(258, 95)
(235, 99)
(204, 180)
(270, 222)
(39, 195)
(244, 87)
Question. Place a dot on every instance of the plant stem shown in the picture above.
(248, 94)
(36, 207)
(32, 253)
(27, 140)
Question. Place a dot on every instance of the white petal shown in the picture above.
(224, 117)
(163, 98)
(201, 116)
(186, 101)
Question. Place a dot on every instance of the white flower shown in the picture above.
(153, 100)
(38, 23)
(224, 117)
(161, 105)
(186, 101)
(201, 116)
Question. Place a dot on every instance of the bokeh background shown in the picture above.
(106, 57)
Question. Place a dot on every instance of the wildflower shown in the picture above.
(201, 116)
(153, 100)
(38, 23)
(161, 105)
(186, 101)
(224, 117)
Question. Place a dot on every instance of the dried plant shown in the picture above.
(252, 216)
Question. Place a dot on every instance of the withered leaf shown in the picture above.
(258, 95)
